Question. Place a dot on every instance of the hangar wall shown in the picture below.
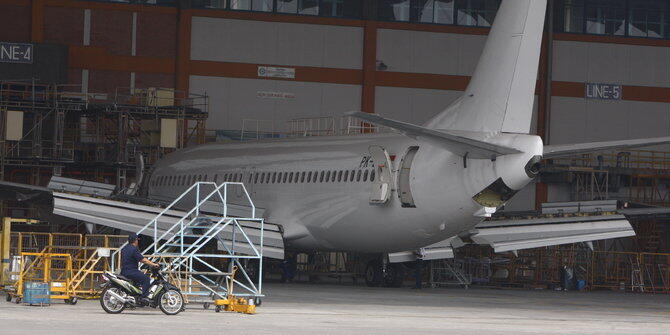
(235, 99)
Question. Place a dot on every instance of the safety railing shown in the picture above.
(633, 159)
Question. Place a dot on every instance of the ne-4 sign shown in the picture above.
(16, 53)
(603, 91)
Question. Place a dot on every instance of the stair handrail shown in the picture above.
(165, 210)
(196, 209)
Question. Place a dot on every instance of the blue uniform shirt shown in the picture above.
(130, 257)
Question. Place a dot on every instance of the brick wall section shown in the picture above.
(102, 81)
(112, 30)
(14, 23)
(144, 80)
(64, 25)
(74, 78)
(156, 35)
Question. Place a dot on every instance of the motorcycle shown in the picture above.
(120, 293)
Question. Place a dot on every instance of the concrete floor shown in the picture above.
(338, 309)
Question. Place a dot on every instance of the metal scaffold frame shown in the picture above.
(102, 134)
(183, 246)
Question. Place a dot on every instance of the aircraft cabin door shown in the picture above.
(404, 182)
(381, 187)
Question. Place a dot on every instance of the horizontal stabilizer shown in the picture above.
(510, 235)
(562, 150)
(454, 143)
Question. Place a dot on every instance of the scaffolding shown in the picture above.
(93, 136)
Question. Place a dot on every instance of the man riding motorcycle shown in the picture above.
(130, 259)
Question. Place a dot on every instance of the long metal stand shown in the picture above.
(184, 246)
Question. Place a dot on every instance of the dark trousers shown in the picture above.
(140, 279)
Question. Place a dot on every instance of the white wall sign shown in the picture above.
(276, 72)
(275, 95)
(16, 53)
(603, 91)
(168, 133)
(14, 122)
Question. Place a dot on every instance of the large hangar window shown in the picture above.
(462, 12)
(331, 8)
(634, 18)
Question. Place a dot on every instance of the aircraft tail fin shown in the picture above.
(501, 92)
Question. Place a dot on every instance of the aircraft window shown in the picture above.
(285, 177)
(274, 177)
(352, 175)
(251, 175)
(365, 175)
(332, 176)
(358, 175)
(290, 177)
(205, 179)
(346, 176)
(327, 176)
(255, 177)
(302, 177)
(267, 177)
(262, 178)
(200, 177)
(339, 176)
(321, 176)
(372, 175)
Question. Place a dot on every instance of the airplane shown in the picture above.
(384, 193)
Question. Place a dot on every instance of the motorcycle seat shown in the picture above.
(123, 278)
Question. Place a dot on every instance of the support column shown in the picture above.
(182, 70)
(369, 66)
(37, 21)
(5, 240)
(544, 96)
(183, 50)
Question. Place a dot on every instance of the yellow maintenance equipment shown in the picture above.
(89, 257)
(5, 246)
(233, 303)
(52, 268)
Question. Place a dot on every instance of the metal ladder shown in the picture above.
(179, 245)
(444, 272)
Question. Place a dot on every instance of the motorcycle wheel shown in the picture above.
(171, 302)
(109, 303)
